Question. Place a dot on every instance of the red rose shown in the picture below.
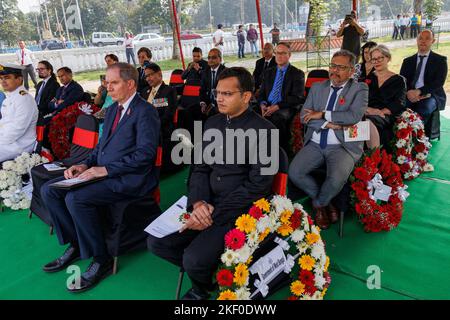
(224, 278)
(419, 147)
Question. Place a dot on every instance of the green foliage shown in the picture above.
(433, 8)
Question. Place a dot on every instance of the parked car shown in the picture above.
(189, 35)
(52, 44)
(101, 39)
(148, 39)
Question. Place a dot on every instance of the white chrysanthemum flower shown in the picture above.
(400, 143)
(229, 257)
(252, 238)
(421, 156)
(281, 204)
(428, 167)
(315, 230)
(3, 185)
(3, 175)
(298, 235)
(244, 253)
(7, 202)
(317, 251)
(402, 125)
(319, 281)
(401, 159)
(24, 203)
(243, 293)
(8, 165)
(302, 247)
(263, 223)
(317, 296)
(306, 224)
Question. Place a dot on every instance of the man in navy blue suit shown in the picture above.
(66, 95)
(125, 158)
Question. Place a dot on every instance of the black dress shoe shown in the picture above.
(92, 276)
(195, 294)
(70, 255)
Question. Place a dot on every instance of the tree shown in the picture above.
(433, 8)
(318, 11)
(417, 6)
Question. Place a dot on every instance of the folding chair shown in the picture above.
(176, 81)
(433, 126)
(84, 139)
(316, 75)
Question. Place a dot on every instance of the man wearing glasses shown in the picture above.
(282, 93)
(208, 104)
(46, 89)
(330, 107)
(219, 192)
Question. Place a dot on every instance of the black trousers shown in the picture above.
(198, 252)
(282, 120)
(75, 214)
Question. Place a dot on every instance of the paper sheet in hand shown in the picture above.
(53, 167)
(73, 183)
(357, 132)
(168, 222)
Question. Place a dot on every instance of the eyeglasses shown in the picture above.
(278, 53)
(339, 67)
(225, 94)
(379, 59)
(213, 57)
(39, 69)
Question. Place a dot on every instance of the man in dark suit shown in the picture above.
(124, 158)
(66, 95)
(266, 62)
(425, 74)
(196, 67)
(144, 57)
(282, 93)
(47, 88)
(164, 99)
(208, 104)
(219, 193)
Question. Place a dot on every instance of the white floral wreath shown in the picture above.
(15, 192)
(296, 235)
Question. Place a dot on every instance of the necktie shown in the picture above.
(275, 94)
(418, 70)
(23, 56)
(213, 82)
(266, 65)
(152, 95)
(117, 118)
(330, 106)
(41, 89)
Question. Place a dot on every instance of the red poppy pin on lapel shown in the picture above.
(368, 81)
(129, 111)
(341, 100)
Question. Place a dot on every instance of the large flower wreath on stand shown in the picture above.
(378, 191)
(411, 146)
(15, 180)
(62, 125)
(300, 241)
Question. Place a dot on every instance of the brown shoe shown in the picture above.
(322, 218)
(333, 213)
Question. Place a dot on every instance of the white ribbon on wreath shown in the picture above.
(402, 193)
(377, 189)
(86, 108)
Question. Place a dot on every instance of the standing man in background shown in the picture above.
(275, 32)
(25, 58)
(129, 48)
(241, 42)
(252, 37)
(218, 37)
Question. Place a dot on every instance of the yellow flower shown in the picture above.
(297, 288)
(285, 216)
(240, 275)
(327, 263)
(312, 238)
(263, 235)
(250, 259)
(324, 292)
(227, 295)
(262, 204)
(307, 262)
(246, 223)
(285, 230)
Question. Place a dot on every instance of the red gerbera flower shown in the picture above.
(255, 212)
(235, 239)
(296, 219)
(306, 277)
(224, 278)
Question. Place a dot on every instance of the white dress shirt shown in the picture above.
(331, 138)
(28, 56)
(420, 81)
(126, 105)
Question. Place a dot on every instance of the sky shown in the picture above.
(26, 5)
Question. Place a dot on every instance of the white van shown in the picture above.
(101, 39)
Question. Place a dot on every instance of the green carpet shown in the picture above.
(414, 258)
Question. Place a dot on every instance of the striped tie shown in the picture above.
(330, 106)
(275, 95)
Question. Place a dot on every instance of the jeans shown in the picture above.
(254, 48)
(241, 49)
(29, 70)
(130, 53)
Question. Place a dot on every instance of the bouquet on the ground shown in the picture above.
(378, 191)
(62, 125)
(411, 146)
(15, 180)
(297, 246)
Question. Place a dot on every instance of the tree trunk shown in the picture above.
(417, 6)
(176, 48)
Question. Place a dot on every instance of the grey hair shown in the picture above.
(127, 71)
(383, 50)
(345, 53)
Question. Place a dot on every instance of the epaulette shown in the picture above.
(22, 92)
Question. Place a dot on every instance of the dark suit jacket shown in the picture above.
(434, 77)
(142, 82)
(129, 153)
(259, 69)
(194, 74)
(205, 90)
(292, 91)
(73, 93)
(166, 113)
(48, 93)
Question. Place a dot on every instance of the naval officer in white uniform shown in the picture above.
(18, 114)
